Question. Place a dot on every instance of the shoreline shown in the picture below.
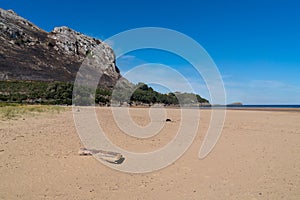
(267, 109)
(277, 109)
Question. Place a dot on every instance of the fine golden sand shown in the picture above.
(257, 157)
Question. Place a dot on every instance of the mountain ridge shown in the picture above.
(40, 67)
(28, 53)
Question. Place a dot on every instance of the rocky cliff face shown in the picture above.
(30, 53)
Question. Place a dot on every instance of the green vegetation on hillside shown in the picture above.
(60, 93)
(36, 92)
(146, 94)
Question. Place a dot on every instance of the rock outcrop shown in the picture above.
(30, 53)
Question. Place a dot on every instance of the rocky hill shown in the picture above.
(40, 67)
(30, 53)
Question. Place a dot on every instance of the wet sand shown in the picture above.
(256, 157)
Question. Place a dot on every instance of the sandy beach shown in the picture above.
(256, 157)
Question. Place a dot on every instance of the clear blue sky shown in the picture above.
(255, 44)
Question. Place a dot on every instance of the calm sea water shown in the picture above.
(259, 106)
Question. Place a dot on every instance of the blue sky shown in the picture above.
(255, 44)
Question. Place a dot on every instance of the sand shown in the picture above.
(256, 157)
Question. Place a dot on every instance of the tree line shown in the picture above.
(61, 93)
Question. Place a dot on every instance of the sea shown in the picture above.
(262, 106)
(258, 106)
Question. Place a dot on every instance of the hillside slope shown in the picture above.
(30, 53)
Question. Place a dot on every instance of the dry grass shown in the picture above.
(15, 111)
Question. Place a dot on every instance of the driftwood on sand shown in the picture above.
(108, 156)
